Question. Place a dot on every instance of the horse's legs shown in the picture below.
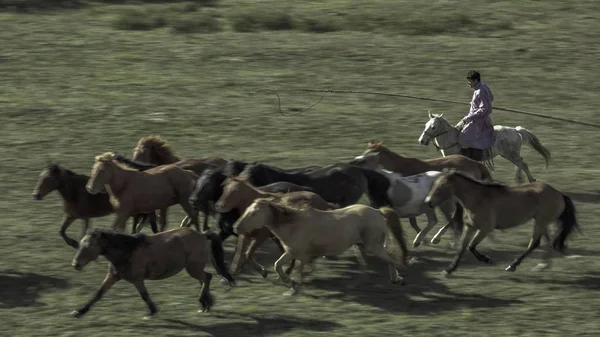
(193, 215)
(152, 220)
(431, 222)
(108, 282)
(520, 167)
(547, 257)
(163, 219)
(454, 218)
(120, 222)
(393, 266)
(196, 270)
(467, 235)
(254, 244)
(68, 220)
(413, 223)
(86, 226)
(278, 266)
(141, 288)
(236, 263)
(539, 230)
(479, 236)
(295, 289)
(359, 251)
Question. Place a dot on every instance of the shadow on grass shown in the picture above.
(23, 289)
(262, 325)
(586, 282)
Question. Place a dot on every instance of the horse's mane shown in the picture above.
(108, 157)
(160, 146)
(245, 181)
(123, 244)
(232, 167)
(57, 167)
(285, 212)
(496, 185)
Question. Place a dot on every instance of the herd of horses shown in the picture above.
(308, 212)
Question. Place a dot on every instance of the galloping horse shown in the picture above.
(78, 203)
(238, 195)
(507, 143)
(135, 258)
(132, 192)
(308, 233)
(497, 206)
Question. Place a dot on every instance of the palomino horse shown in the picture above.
(78, 203)
(378, 155)
(308, 233)
(507, 144)
(493, 206)
(340, 183)
(155, 150)
(406, 196)
(238, 195)
(132, 192)
(136, 258)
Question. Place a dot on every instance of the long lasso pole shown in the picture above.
(327, 91)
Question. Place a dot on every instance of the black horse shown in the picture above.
(339, 183)
(209, 188)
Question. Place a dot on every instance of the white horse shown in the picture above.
(507, 143)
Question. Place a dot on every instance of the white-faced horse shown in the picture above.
(507, 143)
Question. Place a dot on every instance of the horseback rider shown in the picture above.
(476, 128)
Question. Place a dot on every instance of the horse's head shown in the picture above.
(235, 190)
(441, 189)
(48, 181)
(433, 128)
(101, 173)
(370, 158)
(207, 188)
(257, 215)
(89, 249)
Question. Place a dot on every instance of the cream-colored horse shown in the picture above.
(307, 233)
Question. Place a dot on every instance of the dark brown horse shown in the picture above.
(136, 258)
(78, 203)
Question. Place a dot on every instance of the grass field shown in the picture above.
(76, 82)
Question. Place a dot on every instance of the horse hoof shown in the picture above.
(76, 314)
(416, 244)
(413, 260)
(148, 317)
(511, 268)
(435, 240)
(446, 273)
(540, 267)
(224, 281)
(264, 273)
(290, 292)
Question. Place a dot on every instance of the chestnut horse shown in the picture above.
(132, 192)
(78, 203)
(239, 194)
(136, 258)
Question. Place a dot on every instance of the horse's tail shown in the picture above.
(533, 141)
(394, 225)
(567, 222)
(218, 253)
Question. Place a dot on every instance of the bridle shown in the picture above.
(434, 136)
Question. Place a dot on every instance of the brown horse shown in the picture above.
(308, 233)
(378, 155)
(78, 203)
(493, 206)
(238, 194)
(155, 150)
(136, 258)
(132, 192)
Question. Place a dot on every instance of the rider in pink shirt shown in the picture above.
(477, 129)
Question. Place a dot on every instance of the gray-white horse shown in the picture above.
(507, 143)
